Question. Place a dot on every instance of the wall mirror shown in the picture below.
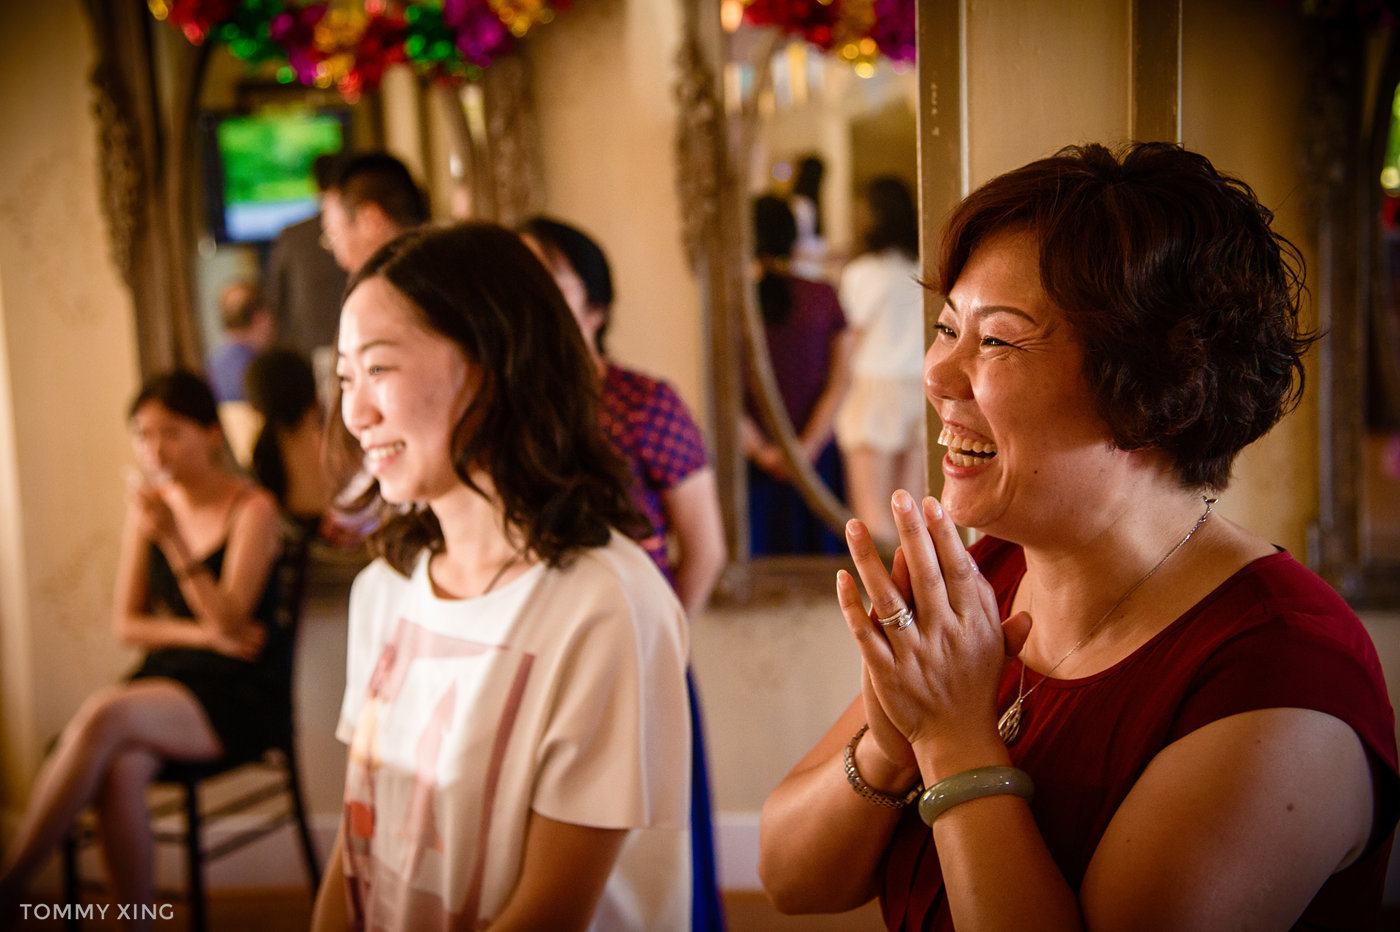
(149, 86)
(1379, 492)
(163, 96)
(790, 107)
(1353, 152)
(739, 115)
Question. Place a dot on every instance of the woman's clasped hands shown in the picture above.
(242, 641)
(929, 687)
(143, 496)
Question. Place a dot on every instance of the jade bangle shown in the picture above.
(973, 784)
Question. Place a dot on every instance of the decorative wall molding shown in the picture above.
(711, 145)
(1341, 155)
(143, 138)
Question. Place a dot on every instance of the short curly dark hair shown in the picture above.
(1186, 300)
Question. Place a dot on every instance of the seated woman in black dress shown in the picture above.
(196, 589)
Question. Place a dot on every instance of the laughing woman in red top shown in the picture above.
(1177, 726)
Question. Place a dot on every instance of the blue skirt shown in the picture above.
(779, 519)
(707, 909)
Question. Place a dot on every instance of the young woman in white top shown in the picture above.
(880, 424)
(515, 703)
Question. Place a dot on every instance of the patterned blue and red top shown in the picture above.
(652, 428)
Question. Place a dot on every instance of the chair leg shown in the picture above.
(194, 857)
(71, 894)
(308, 850)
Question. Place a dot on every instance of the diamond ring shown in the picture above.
(900, 619)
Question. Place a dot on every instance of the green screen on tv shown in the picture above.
(266, 171)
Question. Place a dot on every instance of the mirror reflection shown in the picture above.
(1380, 459)
(809, 347)
(829, 149)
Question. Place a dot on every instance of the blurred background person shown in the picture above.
(371, 199)
(249, 328)
(303, 280)
(673, 482)
(673, 485)
(810, 249)
(288, 455)
(880, 424)
(809, 347)
(196, 589)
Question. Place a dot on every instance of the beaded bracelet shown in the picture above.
(864, 789)
(973, 784)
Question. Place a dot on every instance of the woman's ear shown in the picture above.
(594, 318)
(377, 225)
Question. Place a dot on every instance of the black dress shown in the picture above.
(248, 702)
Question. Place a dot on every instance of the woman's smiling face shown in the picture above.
(404, 388)
(1005, 374)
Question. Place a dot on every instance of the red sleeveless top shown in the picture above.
(1274, 635)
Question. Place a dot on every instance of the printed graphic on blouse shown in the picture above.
(424, 688)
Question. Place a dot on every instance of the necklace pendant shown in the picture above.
(1009, 725)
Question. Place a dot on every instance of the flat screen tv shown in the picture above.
(258, 168)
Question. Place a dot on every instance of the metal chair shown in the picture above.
(263, 780)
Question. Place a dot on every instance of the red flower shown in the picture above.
(195, 18)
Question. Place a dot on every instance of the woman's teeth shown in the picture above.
(376, 454)
(963, 452)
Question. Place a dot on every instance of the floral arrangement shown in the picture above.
(854, 29)
(347, 44)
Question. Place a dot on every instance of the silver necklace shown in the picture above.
(1009, 725)
(514, 558)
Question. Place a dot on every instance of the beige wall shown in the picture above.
(67, 366)
(1040, 76)
(1242, 88)
(603, 78)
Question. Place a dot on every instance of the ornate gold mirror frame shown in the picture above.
(1348, 119)
(713, 148)
(710, 149)
(145, 117)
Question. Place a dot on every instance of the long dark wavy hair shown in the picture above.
(1186, 300)
(281, 386)
(533, 425)
(774, 233)
(894, 220)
